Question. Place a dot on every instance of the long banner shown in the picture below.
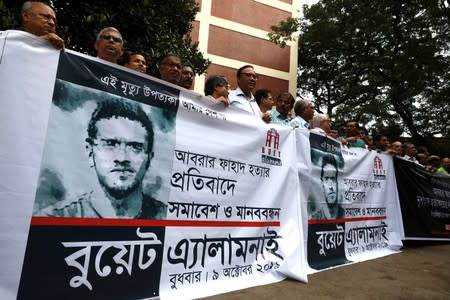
(117, 185)
(425, 201)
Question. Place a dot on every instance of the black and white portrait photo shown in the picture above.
(105, 157)
(326, 197)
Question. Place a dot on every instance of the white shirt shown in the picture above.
(237, 99)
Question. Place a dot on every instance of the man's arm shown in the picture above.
(56, 41)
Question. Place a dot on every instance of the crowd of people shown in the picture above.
(40, 19)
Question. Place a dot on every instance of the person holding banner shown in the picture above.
(170, 68)
(283, 105)
(40, 19)
(135, 61)
(119, 145)
(242, 96)
(109, 44)
(216, 89)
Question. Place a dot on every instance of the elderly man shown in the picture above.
(304, 111)
(170, 68)
(109, 44)
(410, 152)
(242, 96)
(395, 148)
(283, 105)
(40, 19)
(321, 124)
(120, 148)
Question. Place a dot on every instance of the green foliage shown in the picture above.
(152, 27)
(283, 31)
(381, 62)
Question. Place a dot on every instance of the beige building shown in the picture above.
(233, 33)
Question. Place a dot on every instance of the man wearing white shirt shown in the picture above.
(242, 96)
(410, 152)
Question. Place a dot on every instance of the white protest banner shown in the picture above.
(134, 188)
(352, 203)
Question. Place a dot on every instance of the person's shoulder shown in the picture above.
(442, 170)
(73, 207)
(152, 208)
(234, 95)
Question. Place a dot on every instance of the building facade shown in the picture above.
(233, 33)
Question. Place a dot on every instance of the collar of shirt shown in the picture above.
(279, 118)
(237, 98)
(300, 122)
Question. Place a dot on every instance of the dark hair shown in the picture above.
(114, 109)
(188, 65)
(239, 71)
(212, 82)
(366, 132)
(353, 121)
(125, 58)
(261, 93)
(378, 137)
(329, 160)
(168, 55)
(287, 94)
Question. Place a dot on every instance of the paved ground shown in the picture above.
(421, 271)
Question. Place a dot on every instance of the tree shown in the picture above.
(381, 62)
(152, 27)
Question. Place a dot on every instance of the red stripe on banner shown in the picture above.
(51, 221)
(345, 220)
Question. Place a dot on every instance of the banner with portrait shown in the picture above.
(121, 186)
(351, 203)
(425, 201)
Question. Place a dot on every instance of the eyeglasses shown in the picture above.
(108, 37)
(250, 75)
(172, 65)
(114, 145)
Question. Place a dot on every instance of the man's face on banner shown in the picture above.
(329, 183)
(120, 155)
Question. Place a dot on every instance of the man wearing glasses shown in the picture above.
(109, 44)
(119, 144)
(170, 68)
(242, 96)
(40, 19)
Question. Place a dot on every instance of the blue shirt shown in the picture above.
(278, 118)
